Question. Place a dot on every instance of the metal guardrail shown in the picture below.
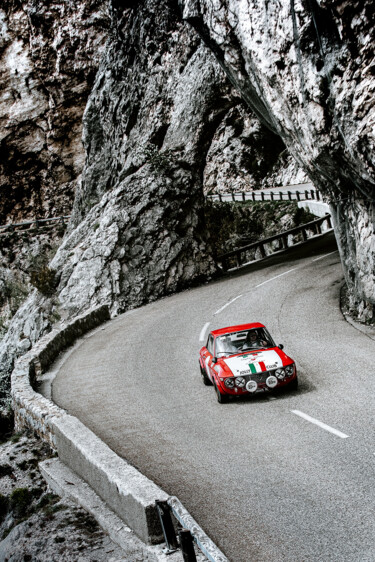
(267, 195)
(258, 195)
(37, 222)
(282, 238)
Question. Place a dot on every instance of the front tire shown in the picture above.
(221, 398)
(206, 380)
(294, 384)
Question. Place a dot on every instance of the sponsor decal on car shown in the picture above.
(254, 363)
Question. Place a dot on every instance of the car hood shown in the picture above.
(256, 361)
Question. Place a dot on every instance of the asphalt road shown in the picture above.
(265, 483)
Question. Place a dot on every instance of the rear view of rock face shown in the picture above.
(306, 68)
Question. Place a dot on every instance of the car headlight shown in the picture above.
(240, 382)
(289, 370)
(280, 374)
(229, 382)
(271, 381)
(251, 386)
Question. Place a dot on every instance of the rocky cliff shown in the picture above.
(49, 55)
(171, 113)
(306, 69)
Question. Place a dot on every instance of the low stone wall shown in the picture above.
(127, 492)
(30, 408)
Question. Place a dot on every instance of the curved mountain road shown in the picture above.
(265, 483)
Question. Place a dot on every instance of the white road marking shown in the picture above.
(325, 255)
(203, 331)
(320, 424)
(228, 303)
(273, 278)
(268, 281)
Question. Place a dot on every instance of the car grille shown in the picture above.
(257, 377)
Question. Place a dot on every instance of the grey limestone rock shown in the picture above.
(137, 230)
(49, 54)
(306, 69)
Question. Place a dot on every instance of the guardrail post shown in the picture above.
(233, 198)
(36, 223)
(306, 194)
(328, 219)
(243, 196)
(253, 195)
(298, 195)
(169, 533)
(318, 229)
(281, 195)
(317, 195)
(262, 195)
(304, 234)
(312, 191)
(220, 198)
(289, 195)
(284, 240)
(271, 194)
(238, 259)
(262, 251)
(187, 546)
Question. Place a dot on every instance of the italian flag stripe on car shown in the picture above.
(261, 367)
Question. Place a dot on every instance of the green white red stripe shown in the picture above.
(252, 363)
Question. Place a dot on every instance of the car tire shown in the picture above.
(221, 398)
(206, 380)
(294, 384)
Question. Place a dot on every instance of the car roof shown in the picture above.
(237, 328)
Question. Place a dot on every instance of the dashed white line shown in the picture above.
(269, 281)
(227, 304)
(203, 331)
(320, 424)
(325, 255)
(276, 277)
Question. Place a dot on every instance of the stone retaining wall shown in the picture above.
(127, 492)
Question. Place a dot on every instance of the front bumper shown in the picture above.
(265, 382)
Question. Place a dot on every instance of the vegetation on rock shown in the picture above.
(231, 225)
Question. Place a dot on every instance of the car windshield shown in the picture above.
(235, 342)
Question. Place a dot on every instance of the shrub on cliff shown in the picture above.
(230, 225)
(44, 279)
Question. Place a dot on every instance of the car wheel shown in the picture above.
(221, 398)
(205, 378)
(294, 384)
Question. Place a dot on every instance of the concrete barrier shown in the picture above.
(129, 494)
(317, 208)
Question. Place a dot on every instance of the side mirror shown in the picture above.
(214, 360)
(280, 346)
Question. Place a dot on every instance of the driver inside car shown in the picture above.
(253, 341)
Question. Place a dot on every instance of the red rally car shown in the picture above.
(244, 359)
